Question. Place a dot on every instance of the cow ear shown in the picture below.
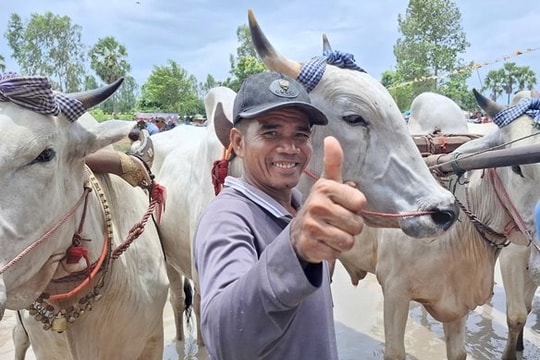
(222, 125)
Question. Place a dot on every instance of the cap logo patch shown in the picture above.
(283, 88)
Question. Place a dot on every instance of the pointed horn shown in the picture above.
(535, 93)
(326, 45)
(488, 105)
(271, 58)
(95, 97)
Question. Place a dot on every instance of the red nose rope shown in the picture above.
(310, 174)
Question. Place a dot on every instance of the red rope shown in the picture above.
(157, 196)
(312, 175)
(220, 170)
(46, 235)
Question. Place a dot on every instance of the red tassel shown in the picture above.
(159, 194)
(220, 170)
(75, 254)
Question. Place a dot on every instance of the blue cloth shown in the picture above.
(529, 106)
(152, 128)
(313, 70)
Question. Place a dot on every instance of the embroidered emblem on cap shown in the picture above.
(283, 88)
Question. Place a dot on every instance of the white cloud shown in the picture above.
(200, 34)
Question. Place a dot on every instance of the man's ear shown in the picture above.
(237, 141)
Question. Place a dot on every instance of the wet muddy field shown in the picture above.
(359, 328)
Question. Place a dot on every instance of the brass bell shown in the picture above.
(59, 324)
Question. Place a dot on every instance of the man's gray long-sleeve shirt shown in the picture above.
(257, 300)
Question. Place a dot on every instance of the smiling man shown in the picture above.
(261, 255)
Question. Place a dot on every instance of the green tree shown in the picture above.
(526, 78)
(456, 89)
(494, 83)
(245, 66)
(432, 40)
(207, 85)
(171, 89)
(48, 45)
(108, 59)
(124, 99)
(510, 79)
(246, 62)
(2, 63)
(400, 90)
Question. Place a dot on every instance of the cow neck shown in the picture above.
(507, 204)
(44, 310)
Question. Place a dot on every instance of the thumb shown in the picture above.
(333, 159)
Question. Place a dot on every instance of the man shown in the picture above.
(261, 258)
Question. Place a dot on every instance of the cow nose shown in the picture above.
(445, 218)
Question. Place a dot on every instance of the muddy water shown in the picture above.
(359, 328)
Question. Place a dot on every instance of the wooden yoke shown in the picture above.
(436, 143)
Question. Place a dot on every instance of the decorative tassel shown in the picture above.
(75, 254)
(220, 170)
(159, 195)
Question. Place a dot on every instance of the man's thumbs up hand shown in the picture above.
(327, 222)
(333, 160)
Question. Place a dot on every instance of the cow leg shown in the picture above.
(176, 299)
(519, 289)
(454, 335)
(21, 341)
(395, 321)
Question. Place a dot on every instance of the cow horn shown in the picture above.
(488, 105)
(535, 93)
(95, 97)
(326, 45)
(271, 58)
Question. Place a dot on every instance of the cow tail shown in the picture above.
(188, 299)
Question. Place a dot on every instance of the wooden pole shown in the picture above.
(491, 159)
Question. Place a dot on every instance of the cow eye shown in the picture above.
(45, 156)
(355, 120)
(517, 170)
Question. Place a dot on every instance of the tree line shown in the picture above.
(427, 59)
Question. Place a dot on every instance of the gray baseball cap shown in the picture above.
(267, 91)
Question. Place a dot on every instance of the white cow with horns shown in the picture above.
(456, 271)
(53, 211)
(430, 111)
(380, 157)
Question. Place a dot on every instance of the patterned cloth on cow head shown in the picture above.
(35, 93)
(312, 71)
(529, 106)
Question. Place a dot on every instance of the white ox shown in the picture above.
(379, 156)
(514, 259)
(42, 173)
(432, 112)
(456, 271)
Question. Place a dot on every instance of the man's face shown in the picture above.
(275, 148)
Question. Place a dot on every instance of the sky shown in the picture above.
(200, 35)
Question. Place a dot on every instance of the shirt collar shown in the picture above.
(262, 199)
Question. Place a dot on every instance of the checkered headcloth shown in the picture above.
(312, 71)
(35, 93)
(529, 106)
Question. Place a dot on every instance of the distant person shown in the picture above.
(152, 127)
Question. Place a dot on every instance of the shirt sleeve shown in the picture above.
(248, 301)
